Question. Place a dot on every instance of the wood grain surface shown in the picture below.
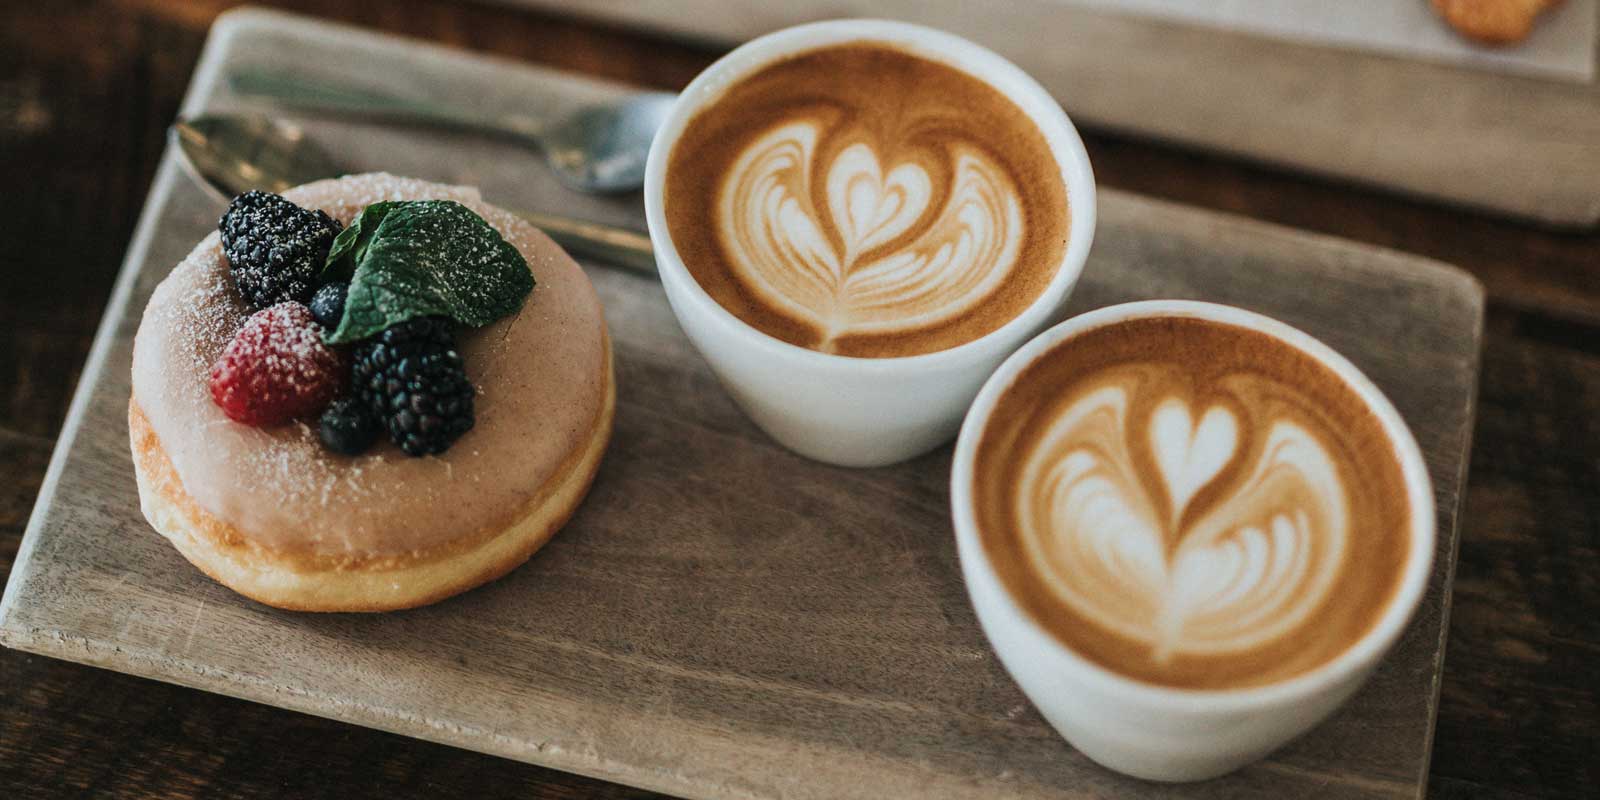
(1516, 144)
(85, 90)
(722, 618)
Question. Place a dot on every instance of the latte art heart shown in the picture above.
(879, 255)
(1125, 554)
(1190, 503)
(863, 200)
(1189, 456)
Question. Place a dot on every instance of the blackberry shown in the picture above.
(327, 305)
(348, 426)
(275, 248)
(411, 377)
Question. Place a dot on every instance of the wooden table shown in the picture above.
(86, 91)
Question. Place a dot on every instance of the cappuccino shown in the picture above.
(863, 200)
(1191, 503)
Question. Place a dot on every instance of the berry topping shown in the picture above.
(327, 305)
(276, 368)
(275, 248)
(349, 427)
(412, 378)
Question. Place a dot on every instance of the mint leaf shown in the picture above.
(421, 258)
(351, 243)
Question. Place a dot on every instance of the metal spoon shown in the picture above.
(598, 148)
(232, 154)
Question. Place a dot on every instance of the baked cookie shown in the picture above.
(1499, 22)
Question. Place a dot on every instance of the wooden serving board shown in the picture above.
(1520, 145)
(722, 618)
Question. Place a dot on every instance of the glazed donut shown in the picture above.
(275, 516)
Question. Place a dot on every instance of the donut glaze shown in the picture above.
(542, 375)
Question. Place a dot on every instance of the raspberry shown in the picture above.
(275, 248)
(276, 368)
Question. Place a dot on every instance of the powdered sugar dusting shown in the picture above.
(537, 374)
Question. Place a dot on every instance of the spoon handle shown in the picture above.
(330, 95)
(608, 243)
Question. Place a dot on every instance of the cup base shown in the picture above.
(1160, 766)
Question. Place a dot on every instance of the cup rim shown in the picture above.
(970, 58)
(1361, 654)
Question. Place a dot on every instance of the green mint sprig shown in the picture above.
(421, 258)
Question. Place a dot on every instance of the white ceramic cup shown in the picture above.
(839, 409)
(1160, 733)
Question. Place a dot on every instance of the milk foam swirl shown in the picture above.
(1191, 503)
(863, 200)
(888, 251)
(1128, 548)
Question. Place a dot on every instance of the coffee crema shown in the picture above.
(1191, 504)
(862, 200)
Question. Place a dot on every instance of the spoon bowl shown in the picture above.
(603, 148)
(232, 154)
